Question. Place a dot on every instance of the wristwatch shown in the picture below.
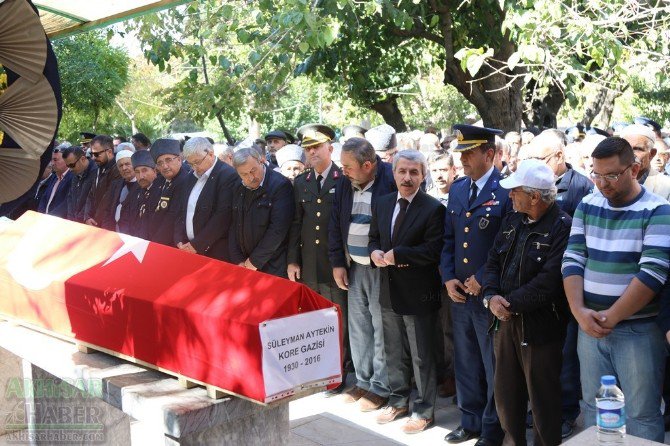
(486, 301)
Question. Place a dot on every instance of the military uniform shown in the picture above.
(470, 229)
(166, 210)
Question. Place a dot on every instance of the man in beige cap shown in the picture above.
(642, 139)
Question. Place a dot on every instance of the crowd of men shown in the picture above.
(512, 271)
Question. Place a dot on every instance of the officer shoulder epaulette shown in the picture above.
(303, 175)
(459, 179)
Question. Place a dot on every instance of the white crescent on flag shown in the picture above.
(135, 245)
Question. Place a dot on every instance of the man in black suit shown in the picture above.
(263, 211)
(406, 236)
(203, 220)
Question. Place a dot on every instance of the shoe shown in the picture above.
(485, 442)
(459, 435)
(354, 394)
(567, 428)
(416, 425)
(529, 420)
(390, 413)
(336, 391)
(447, 388)
(371, 401)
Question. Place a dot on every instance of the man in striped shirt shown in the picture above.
(366, 179)
(614, 266)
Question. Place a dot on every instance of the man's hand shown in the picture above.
(472, 286)
(389, 258)
(341, 279)
(608, 319)
(249, 265)
(186, 247)
(454, 287)
(499, 307)
(590, 322)
(91, 222)
(667, 336)
(293, 271)
(377, 257)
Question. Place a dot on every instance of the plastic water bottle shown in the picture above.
(611, 417)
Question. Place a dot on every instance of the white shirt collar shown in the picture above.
(410, 198)
(207, 172)
(325, 173)
(483, 180)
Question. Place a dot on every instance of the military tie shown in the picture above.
(399, 219)
(473, 193)
(318, 183)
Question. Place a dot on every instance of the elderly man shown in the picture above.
(167, 156)
(383, 140)
(523, 289)
(118, 216)
(275, 140)
(263, 210)
(642, 140)
(204, 212)
(143, 202)
(571, 188)
(291, 161)
(501, 160)
(54, 200)
(406, 234)
(474, 213)
(314, 192)
(83, 175)
(102, 151)
(367, 179)
(616, 263)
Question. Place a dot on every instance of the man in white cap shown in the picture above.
(291, 161)
(117, 215)
(383, 140)
(523, 289)
(642, 139)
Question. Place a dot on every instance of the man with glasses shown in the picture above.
(572, 187)
(643, 139)
(84, 173)
(167, 155)
(102, 151)
(204, 212)
(616, 263)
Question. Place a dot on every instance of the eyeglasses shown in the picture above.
(544, 158)
(611, 177)
(196, 164)
(97, 154)
(166, 161)
(71, 165)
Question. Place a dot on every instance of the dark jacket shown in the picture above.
(413, 284)
(260, 229)
(540, 300)
(102, 181)
(211, 220)
(340, 218)
(111, 201)
(308, 237)
(142, 205)
(167, 209)
(79, 190)
(58, 205)
(571, 189)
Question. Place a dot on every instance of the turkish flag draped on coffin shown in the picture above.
(185, 313)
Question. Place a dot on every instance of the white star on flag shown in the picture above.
(135, 245)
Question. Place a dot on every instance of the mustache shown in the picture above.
(407, 184)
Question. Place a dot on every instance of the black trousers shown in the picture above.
(444, 340)
(337, 296)
(523, 373)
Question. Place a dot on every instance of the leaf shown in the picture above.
(254, 58)
(513, 60)
(303, 47)
(473, 63)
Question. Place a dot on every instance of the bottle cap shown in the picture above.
(608, 380)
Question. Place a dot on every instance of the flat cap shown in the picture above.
(142, 158)
(381, 137)
(470, 136)
(596, 131)
(314, 134)
(165, 147)
(280, 134)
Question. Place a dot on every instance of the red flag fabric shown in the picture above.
(182, 312)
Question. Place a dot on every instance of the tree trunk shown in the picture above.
(544, 111)
(594, 106)
(608, 108)
(389, 110)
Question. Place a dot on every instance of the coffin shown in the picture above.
(189, 315)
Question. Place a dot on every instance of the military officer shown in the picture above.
(314, 191)
(167, 156)
(474, 213)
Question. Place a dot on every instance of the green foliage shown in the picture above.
(92, 73)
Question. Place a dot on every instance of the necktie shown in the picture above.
(318, 183)
(399, 219)
(473, 193)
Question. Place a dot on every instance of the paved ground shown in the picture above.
(317, 420)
